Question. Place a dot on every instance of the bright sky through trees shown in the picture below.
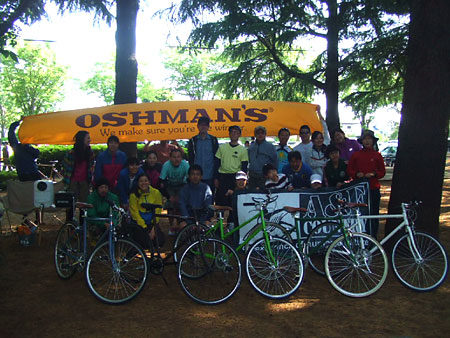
(80, 43)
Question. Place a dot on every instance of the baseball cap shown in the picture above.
(240, 175)
(316, 178)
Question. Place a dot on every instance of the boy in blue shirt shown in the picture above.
(299, 172)
(173, 177)
(195, 195)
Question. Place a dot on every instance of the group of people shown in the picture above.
(213, 172)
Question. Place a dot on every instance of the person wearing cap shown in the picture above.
(202, 149)
(259, 153)
(233, 157)
(99, 199)
(299, 173)
(282, 148)
(345, 145)
(335, 170)
(316, 181)
(306, 145)
(368, 163)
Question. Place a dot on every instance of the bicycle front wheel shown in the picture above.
(356, 265)
(278, 275)
(209, 271)
(186, 236)
(118, 281)
(67, 250)
(423, 270)
(317, 244)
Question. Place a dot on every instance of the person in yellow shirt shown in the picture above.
(145, 193)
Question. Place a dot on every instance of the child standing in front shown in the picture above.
(173, 177)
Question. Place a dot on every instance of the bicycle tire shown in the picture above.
(273, 229)
(316, 255)
(420, 275)
(67, 250)
(209, 271)
(275, 282)
(352, 268)
(117, 287)
(186, 236)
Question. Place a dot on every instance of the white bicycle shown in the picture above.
(419, 260)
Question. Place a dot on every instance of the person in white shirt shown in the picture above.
(305, 148)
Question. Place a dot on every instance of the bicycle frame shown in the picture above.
(404, 224)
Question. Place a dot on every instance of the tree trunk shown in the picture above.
(423, 132)
(126, 64)
(331, 72)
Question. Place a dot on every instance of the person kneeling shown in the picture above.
(144, 193)
(100, 198)
(195, 195)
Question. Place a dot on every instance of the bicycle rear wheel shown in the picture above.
(277, 278)
(116, 285)
(209, 271)
(186, 236)
(317, 244)
(356, 265)
(420, 274)
(67, 250)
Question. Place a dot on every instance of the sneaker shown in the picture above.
(173, 231)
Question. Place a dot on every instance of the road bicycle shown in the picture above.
(273, 265)
(366, 266)
(116, 270)
(419, 260)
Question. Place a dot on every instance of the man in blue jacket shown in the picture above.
(24, 155)
(110, 162)
(202, 149)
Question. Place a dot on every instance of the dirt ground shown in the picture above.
(34, 302)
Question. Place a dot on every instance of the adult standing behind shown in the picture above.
(259, 153)
(110, 162)
(24, 155)
(233, 157)
(299, 172)
(202, 149)
(282, 148)
(345, 145)
(152, 168)
(317, 159)
(78, 164)
(127, 181)
(305, 135)
(369, 163)
(163, 149)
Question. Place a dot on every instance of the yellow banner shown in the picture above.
(166, 120)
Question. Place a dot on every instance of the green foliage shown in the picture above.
(5, 176)
(34, 84)
(103, 83)
(193, 72)
(265, 40)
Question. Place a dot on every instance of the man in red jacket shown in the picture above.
(369, 163)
